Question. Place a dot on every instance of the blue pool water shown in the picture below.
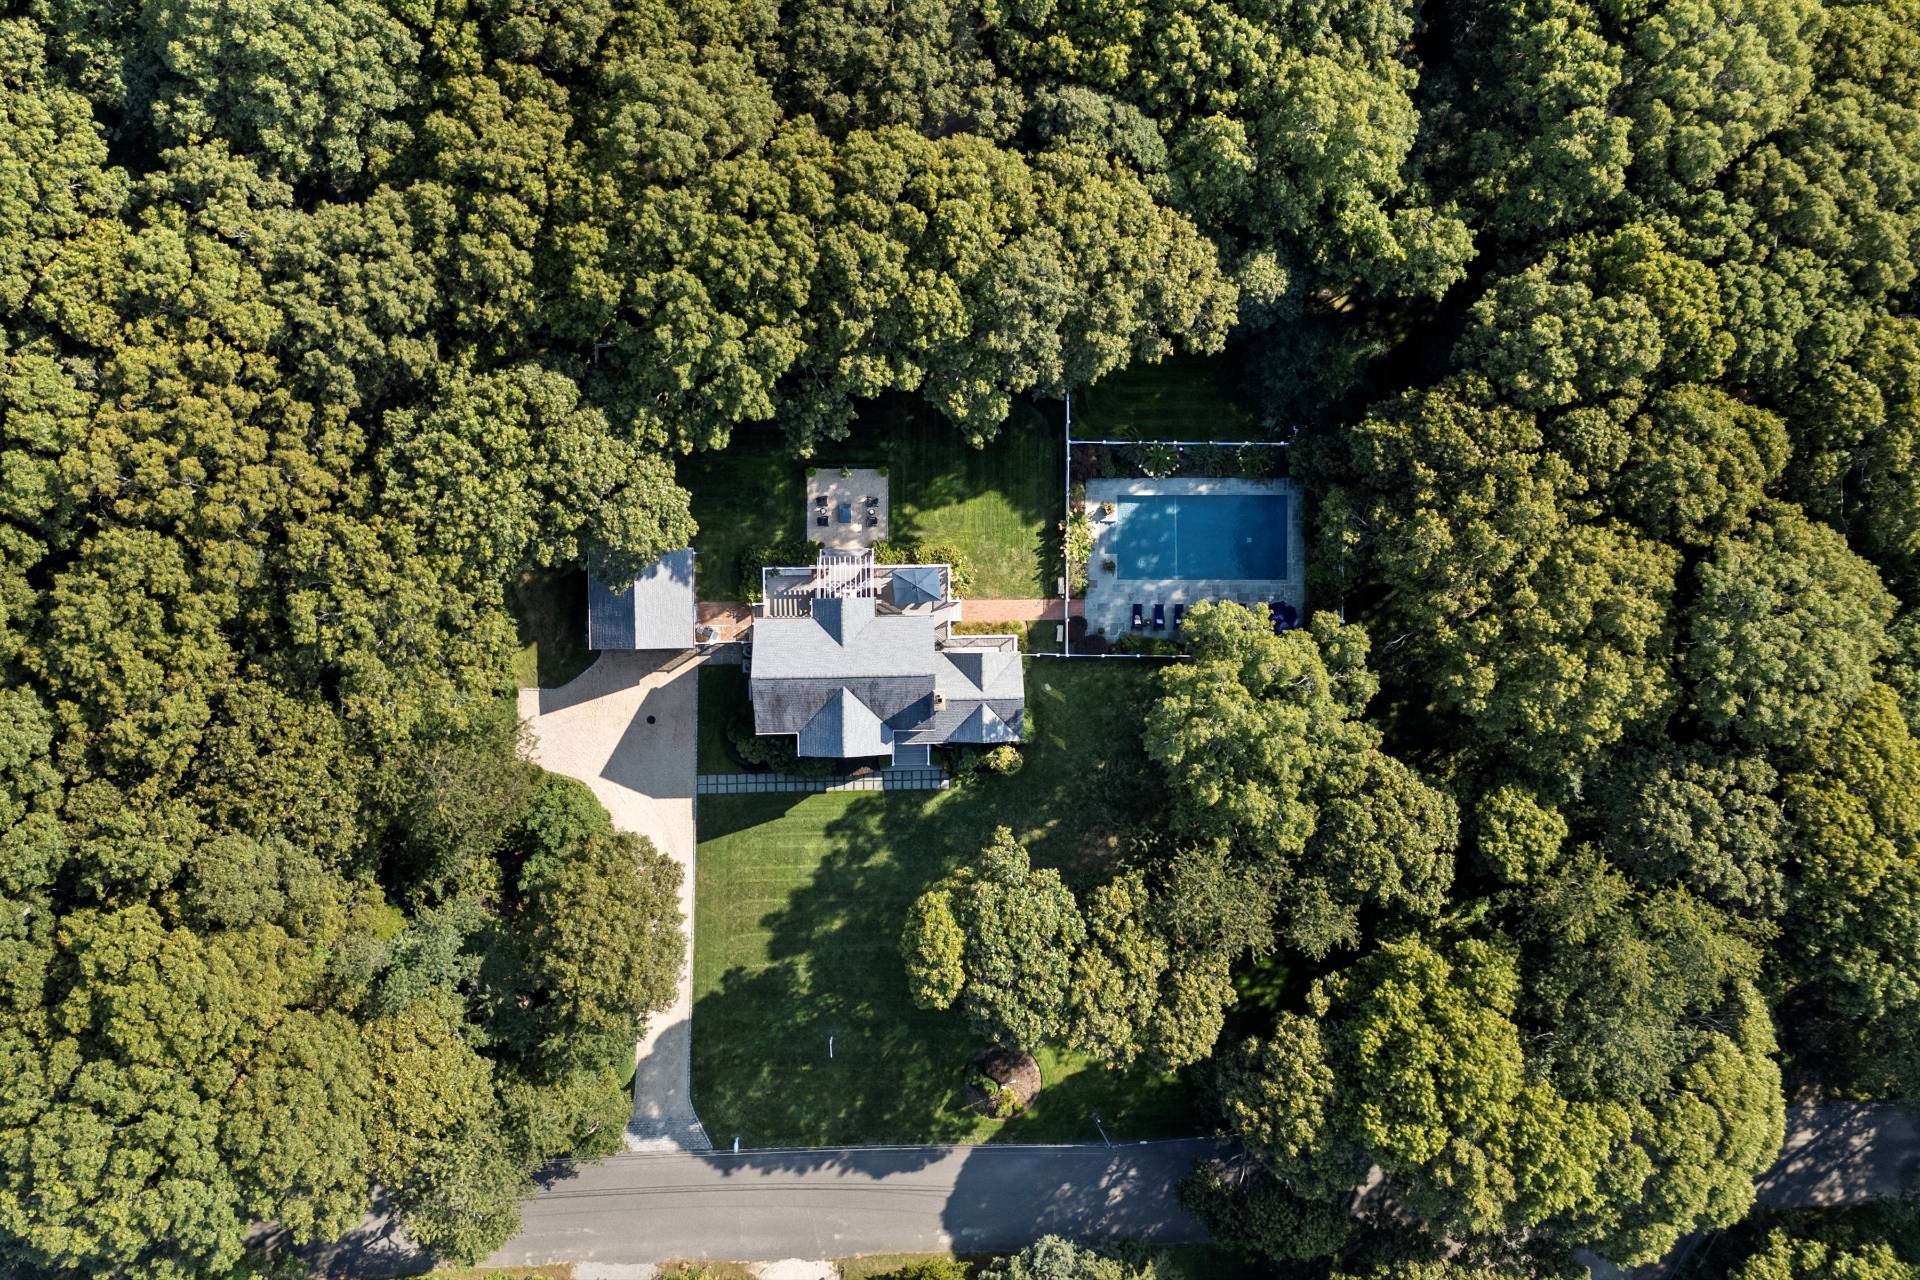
(1213, 536)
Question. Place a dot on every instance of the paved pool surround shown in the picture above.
(1110, 599)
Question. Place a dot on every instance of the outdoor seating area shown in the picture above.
(1280, 613)
(847, 508)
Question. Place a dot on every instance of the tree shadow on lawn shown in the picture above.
(832, 965)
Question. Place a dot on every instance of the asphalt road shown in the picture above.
(1843, 1153)
(759, 1205)
(645, 1207)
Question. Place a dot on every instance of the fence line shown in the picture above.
(749, 784)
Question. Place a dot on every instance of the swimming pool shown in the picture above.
(1217, 536)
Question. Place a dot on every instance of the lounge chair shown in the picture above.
(1159, 617)
(1137, 623)
(1179, 617)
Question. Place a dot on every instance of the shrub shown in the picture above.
(1004, 759)
(929, 1269)
(1078, 535)
(1156, 460)
(1208, 460)
(1002, 1102)
(771, 751)
(1153, 646)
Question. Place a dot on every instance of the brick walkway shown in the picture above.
(1016, 610)
(748, 784)
(728, 618)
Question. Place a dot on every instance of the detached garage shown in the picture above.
(656, 610)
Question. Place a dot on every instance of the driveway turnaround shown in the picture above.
(626, 727)
(835, 1202)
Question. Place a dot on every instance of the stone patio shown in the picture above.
(1110, 599)
(851, 490)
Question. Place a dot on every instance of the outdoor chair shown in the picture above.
(1159, 617)
(821, 521)
(873, 520)
(1137, 623)
(1179, 616)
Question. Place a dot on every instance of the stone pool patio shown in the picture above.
(1110, 599)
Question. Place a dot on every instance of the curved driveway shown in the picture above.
(627, 728)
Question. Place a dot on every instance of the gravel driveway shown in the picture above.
(627, 728)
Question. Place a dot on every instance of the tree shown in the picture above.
(1547, 630)
(314, 89)
(1053, 1258)
(1700, 464)
(1021, 928)
(603, 929)
(855, 64)
(1854, 895)
(1549, 149)
(1785, 631)
(1685, 816)
(1782, 1256)
(1262, 751)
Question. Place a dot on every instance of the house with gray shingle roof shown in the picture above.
(859, 660)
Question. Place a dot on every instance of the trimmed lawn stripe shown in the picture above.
(800, 903)
(1183, 397)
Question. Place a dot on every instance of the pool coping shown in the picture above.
(1110, 599)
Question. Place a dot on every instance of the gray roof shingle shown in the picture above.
(656, 610)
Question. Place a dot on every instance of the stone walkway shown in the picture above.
(744, 784)
(626, 727)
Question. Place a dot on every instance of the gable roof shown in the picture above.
(844, 728)
(971, 671)
(656, 610)
(983, 725)
(843, 638)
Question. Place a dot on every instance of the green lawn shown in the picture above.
(800, 900)
(550, 613)
(1181, 398)
(999, 504)
(746, 495)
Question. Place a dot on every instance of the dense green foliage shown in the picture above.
(323, 320)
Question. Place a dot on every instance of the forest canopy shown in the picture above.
(1576, 829)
